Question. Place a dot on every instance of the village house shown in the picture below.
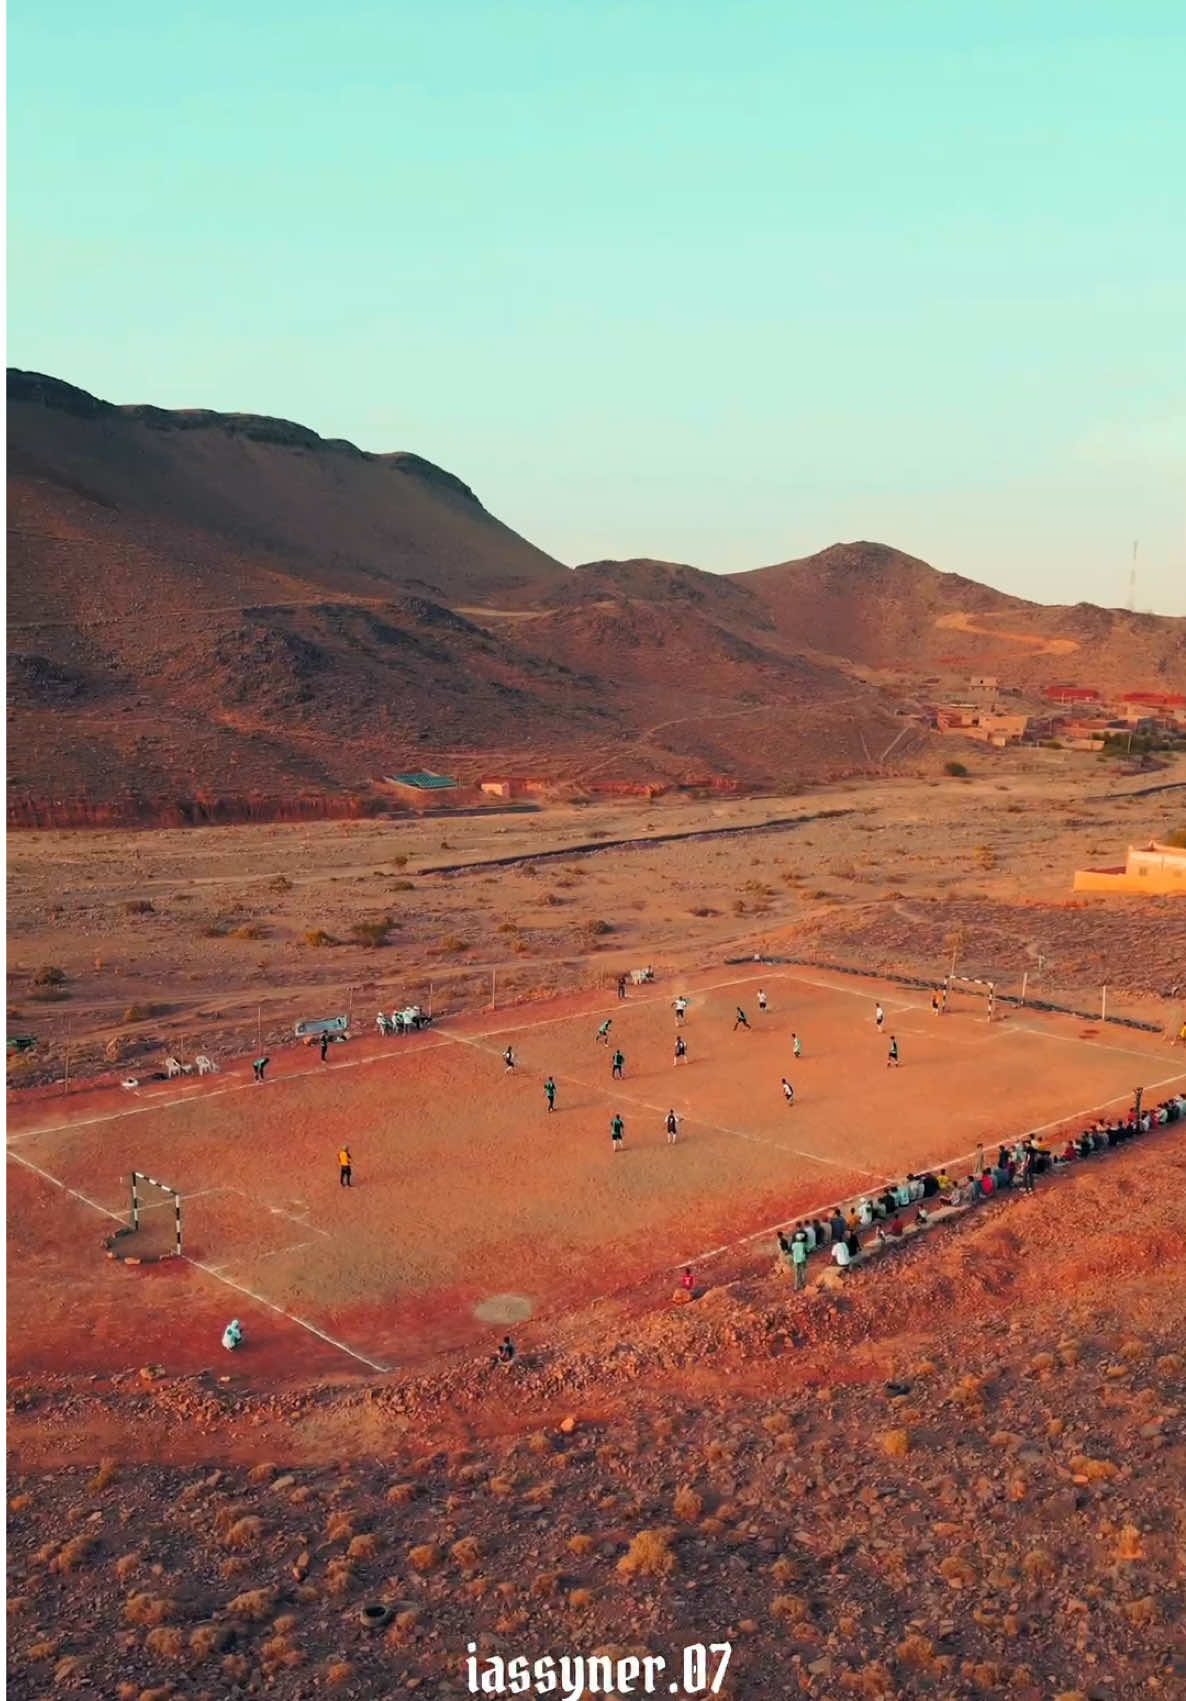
(1153, 869)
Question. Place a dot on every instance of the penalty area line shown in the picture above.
(301, 1322)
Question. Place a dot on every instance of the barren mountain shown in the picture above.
(872, 605)
(231, 609)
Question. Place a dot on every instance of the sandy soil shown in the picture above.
(223, 951)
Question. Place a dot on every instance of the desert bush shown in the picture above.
(401, 1492)
(400, 861)
(139, 906)
(844, 868)
(649, 1555)
(140, 1012)
(687, 1505)
(738, 906)
(249, 930)
(78, 1551)
(403, 886)
(318, 938)
(253, 1604)
(339, 1527)
(581, 1544)
(507, 927)
(365, 1546)
(49, 974)
(986, 856)
(896, 1442)
(425, 1556)
(452, 942)
(105, 1474)
(144, 1608)
(372, 934)
(280, 883)
(957, 770)
(244, 1532)
(703, 910)
(600, 928)
(467, 1552)
(166, 1641)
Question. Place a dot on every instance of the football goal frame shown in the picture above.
(139, 1184)
(987, 989)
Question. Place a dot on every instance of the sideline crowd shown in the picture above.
(878, 1220)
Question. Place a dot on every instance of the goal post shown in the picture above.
(149, 1194)
(965, 992)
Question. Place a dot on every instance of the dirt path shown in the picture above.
(960, 622)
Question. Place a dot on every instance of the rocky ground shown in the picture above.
(958, 1474)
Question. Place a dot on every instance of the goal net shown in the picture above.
(155, 1228)
(962, 993)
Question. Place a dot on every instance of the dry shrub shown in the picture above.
(916, 1651)
(339, 1576)
(233, 1566)
(424, 1557)
(235, 1667)
(401, 1492)
(166, 1641)
(44, 1650)
(649, 1555)
(687, 1505)
(1038, 1564)
(1141, 1612)
(786, 1571)
(467, 1552)
(244, 1532)
(339, 1527)
(501, 1486)
(581, 1543)
(407, 1620)
(206, 1639)
(126, 1564)
(103, 1476)
(20, 1503)
(545, 1583)
(249, 930)
(1095, 1470)
(78, 1551)
(790, 1607)
(1169, 1364)
(1133, 1349)
(144, 1608)
(580, 1599)
(957, 1572)
(453, 943)
(253, 1604)
(317, 938)
(896, 1443)
(1129, 1545)
(364, 1546)
(339, 1671)
(70, 1669)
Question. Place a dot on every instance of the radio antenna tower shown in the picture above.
(1132, 579)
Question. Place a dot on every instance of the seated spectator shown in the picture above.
(987, 1185)
(852, 1222)
(945, 1182)
(930, 1185)
(865, 1213)
(1001, 1177)
(969, 1191)
(853, 1241)
(902, 1194)
(1069, 1152)
(922, 1216)
(837, 1226)
(915, 1184)
(1002, 1157)
(808, 1228)
(895, 1226)
(841, 1256)
(887, 1202)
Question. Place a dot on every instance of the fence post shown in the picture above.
(1025, 980)
(430, 998)
(1103, 1003)
(493, 980)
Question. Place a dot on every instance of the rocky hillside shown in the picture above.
(958, 1474)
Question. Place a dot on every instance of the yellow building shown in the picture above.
(1150, 868)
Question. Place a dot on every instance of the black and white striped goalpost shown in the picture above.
(138, 1178)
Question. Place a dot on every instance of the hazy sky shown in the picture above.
(718, 282)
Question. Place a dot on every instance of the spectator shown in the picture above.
(841, 1256)
(987, 1185)
(837, 1224)
(902, 1193)
(930, 1185)
(865, 1213)
(799, 1260)
(853, 1242)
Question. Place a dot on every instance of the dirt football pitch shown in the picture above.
(472, 1209)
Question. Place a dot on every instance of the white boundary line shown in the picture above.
(956, 1162)
(211, 1270)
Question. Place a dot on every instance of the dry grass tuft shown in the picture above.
(1038, 1564)
(581, 1543)
(75, 1553)
(401, 1492)
(1129, 1545)
(339, 1527)
(786, 1571)
(1095, 1470)
(253, 1604)
(424, 1557)
(896, 1443)
(545, 1583)
(790, 1607)
(20, 1503)
(206, 1639)
(687, 1505)
(244, 1532)
(467, 1552)
(166, 1641)
(340, 1671)
(104, 1475)
(144, 1608)
(364, 1546)
(580, 1599)
(339, 1576)
(649, 1555)
(957, 1572)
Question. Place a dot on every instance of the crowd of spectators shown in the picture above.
(878, 1220)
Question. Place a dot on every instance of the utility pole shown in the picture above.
(1132, 578)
